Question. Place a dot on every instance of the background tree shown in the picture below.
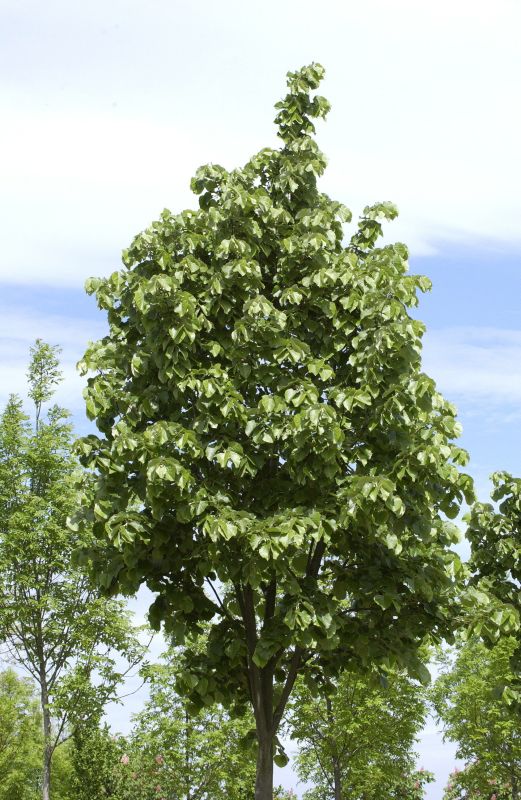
(63, 772)
(494, 532)
(20, 738)
(96, 755)
(358, 741)
(472, 698)
(271, 458)
(54, 623)
(201, 756)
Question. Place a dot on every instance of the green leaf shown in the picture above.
(281, 759)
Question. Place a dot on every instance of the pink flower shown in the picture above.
(417, 784)
(124, 759)
(493, 797)
(159, 760)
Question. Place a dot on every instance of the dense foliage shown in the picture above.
(473, 783)
(494, 531)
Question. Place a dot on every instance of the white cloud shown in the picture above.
(100, 131)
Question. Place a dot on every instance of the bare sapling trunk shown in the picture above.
(47, 743)
(337, 775)
(337, 778)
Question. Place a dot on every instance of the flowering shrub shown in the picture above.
(284, 794)
(413, 787)
(473, 783)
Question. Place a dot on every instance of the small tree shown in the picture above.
(271, 458)
(495, 536)
(357, 742)
(20, 738)
(96, 760)
(52, 619)
(473, 698)
(202, 756)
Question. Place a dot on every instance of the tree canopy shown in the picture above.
(357, 742)
(271, 459)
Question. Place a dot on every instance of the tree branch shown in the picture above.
(288, 686)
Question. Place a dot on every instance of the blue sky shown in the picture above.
(109, 107)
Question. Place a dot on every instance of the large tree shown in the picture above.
(53, 621)
(271, 459)
(358, 741)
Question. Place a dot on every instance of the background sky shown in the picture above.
(108, 108)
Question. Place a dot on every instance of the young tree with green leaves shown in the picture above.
(97, 772)
(494, 532)
(271, 459)
(20, 738)
(473, 698)
(193, 756)
(52, 620)
(357, 741)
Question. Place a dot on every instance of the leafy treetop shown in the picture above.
(271, 458)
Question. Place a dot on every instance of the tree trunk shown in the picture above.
(266, 728)
(264, 779)
(337, 777)
(47, 743)
(187, 757)
(267, 715)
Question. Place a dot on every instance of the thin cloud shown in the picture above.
(478, 365)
